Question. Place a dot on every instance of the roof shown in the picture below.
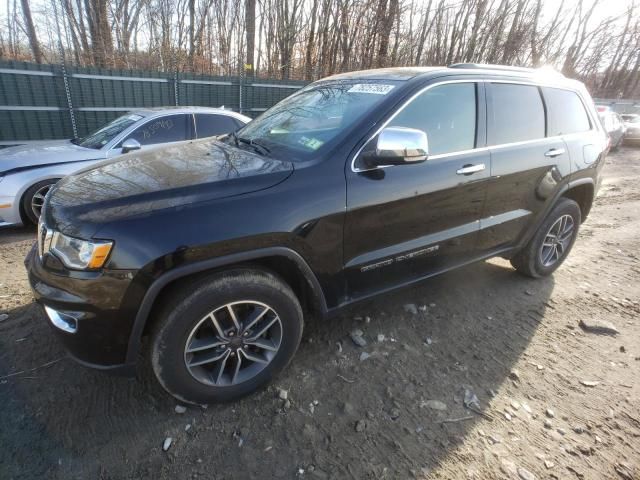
(407, 73)
(173, 109)
(395, 73)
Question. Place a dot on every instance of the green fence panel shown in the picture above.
(34, 103)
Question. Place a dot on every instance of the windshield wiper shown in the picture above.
(257, 147)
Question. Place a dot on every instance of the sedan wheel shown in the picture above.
(33, 199)
(37, 201)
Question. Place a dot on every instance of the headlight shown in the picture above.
(80, 254)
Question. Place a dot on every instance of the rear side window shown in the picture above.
(517, 113)
(447, 114)
(565, 111)
(208, 125)
(170, 128)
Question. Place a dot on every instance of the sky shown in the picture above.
(605, 9)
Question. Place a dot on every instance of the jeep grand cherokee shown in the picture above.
(216, 250)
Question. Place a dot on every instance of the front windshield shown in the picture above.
(315, 117)
(104, 135)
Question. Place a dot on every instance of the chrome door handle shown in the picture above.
(469, 169)
(554, 152)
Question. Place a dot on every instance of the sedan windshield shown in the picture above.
(314, 118)
(104, 135)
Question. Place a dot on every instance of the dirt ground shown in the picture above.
(553, 401)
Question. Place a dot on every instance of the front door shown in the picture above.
(406, 222)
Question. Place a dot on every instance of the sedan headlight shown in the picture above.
(80, 254)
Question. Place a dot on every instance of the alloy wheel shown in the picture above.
(37, 200)
(557, 240)
(233, 343)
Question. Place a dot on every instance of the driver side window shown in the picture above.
(170, 128)
(447, 113)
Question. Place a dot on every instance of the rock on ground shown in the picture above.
(596, 325)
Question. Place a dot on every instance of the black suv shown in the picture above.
(357, 184)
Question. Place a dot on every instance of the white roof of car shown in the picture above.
(152, 111)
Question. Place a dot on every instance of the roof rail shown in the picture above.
(506, 68)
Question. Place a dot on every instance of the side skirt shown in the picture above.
(351, 301)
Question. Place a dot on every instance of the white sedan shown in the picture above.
(27, 172)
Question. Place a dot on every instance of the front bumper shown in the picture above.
(9, 210)
(86, 311)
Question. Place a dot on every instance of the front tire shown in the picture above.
(33, 199)
(551, 244)
(226, 336)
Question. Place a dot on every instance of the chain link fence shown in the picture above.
(40, 102)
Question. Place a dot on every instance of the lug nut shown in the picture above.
(246, 334)
(231, 334)
(233, 354)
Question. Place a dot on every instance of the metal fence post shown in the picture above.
(241, 81)
(175, 85)
(67, 91)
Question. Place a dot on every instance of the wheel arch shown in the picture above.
(581, 192)
(282, 261)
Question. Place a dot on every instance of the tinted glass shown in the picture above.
(566, 112)
(171, 128)
(517, 113)
(208, 125)
(104, 135)
(447, 114)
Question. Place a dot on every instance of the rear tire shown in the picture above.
(33, 199)
(207, 346)
(551, 244)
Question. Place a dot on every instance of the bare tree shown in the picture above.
(31, 31)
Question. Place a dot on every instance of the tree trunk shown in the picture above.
(250, 28)
(31, 31)
(388, 16)
(308, 57)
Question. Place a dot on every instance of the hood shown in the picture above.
(137, 184)
(47, 152)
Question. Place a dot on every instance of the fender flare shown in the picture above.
(559, 194)
(135, 337)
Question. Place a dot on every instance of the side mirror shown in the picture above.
(130, 144)
(397, 146)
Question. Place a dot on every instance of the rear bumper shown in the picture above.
(84, 311)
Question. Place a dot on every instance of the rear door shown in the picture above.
(210, 124)
(408, 221)
(526, 163)
(568, 118)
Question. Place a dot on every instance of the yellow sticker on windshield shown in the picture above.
(312, 143)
